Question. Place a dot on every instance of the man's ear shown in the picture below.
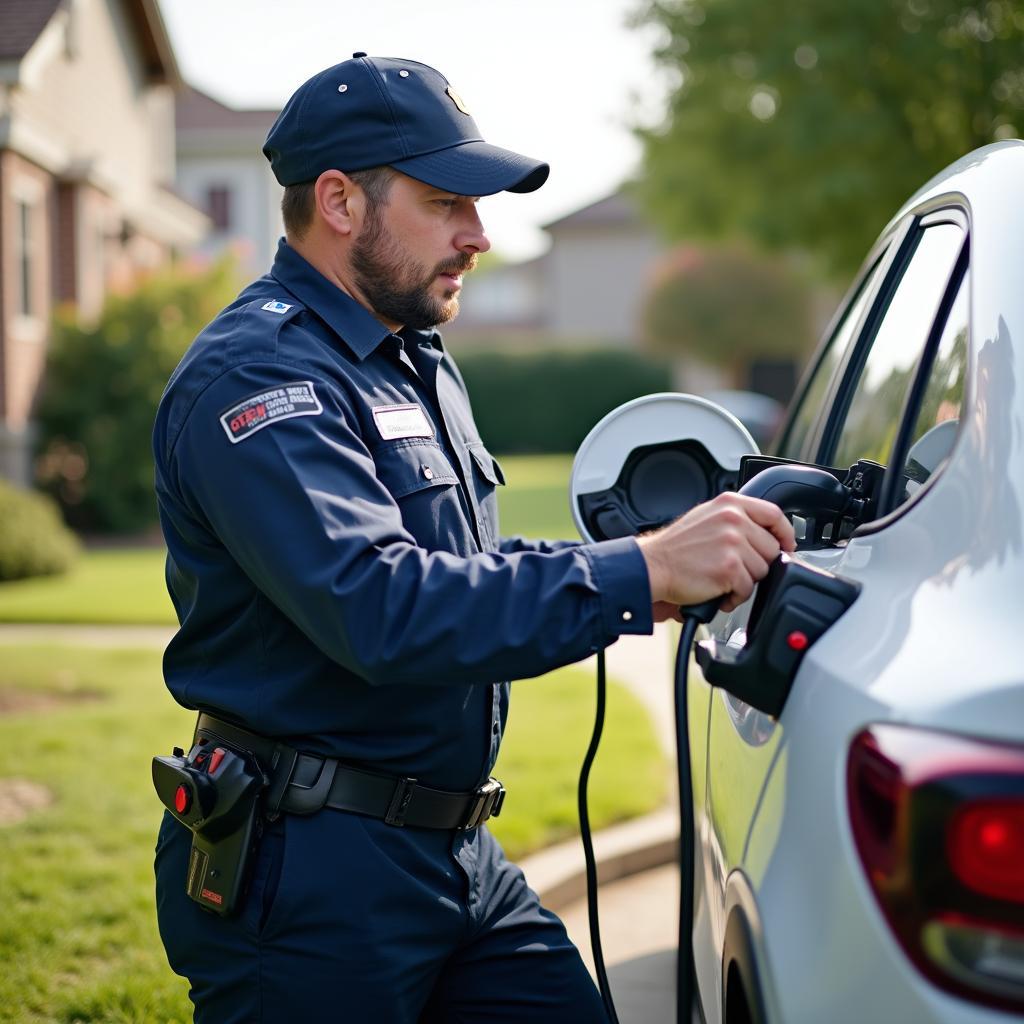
(339, 201)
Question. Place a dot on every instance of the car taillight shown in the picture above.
(938, 821)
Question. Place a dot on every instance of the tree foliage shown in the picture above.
(101, 390)
(809, 124)
(726, 306)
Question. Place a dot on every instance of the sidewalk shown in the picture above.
(639, 932)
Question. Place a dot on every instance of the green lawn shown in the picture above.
(78, 938)
(535, 501)
(127, 585)
(108, 585)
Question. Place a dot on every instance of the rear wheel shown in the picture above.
(741, 995)
(737, 1006)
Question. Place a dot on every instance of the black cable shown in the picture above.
(684, 961)
(588, 845)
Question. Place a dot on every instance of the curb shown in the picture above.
(558, 873)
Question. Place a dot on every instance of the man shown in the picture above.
(335, 563)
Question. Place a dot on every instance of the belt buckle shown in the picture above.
(395, 814)
(486, 804)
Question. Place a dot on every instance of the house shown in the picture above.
(588, 287)
(86, 177)
(222, 170)
(598, 270)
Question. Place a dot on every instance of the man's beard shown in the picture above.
(395, 285)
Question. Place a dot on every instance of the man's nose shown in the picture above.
(471, 237)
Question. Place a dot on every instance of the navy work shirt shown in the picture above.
(333, 547)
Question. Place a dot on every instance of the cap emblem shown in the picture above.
(457, 100)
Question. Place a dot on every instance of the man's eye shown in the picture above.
(448, 204)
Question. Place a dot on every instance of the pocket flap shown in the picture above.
(409, 466)
(487, 464)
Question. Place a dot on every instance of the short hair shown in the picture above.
(299, 201)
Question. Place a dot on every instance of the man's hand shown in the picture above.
(720, 548)
(662, 611)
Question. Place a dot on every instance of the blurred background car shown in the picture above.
(760, 414)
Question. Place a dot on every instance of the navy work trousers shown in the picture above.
(351, 920)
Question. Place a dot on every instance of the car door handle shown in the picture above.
(794, 606)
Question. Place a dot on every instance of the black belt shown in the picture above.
(305, 783)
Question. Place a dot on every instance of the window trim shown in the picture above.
(889, 513)
(848, 373)
(867, 270)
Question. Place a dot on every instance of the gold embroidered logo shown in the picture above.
(457, 100)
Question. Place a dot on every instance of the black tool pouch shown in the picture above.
(217, 791)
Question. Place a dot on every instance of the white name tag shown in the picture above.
(394, 421)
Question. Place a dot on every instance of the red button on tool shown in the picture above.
(797, 640)
(182, 799)
(218, 756)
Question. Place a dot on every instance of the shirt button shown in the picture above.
(627, 616)
(428, 473)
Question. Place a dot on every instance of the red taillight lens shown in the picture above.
(938, 821)
(986, 848)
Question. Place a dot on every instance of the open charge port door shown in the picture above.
(794, 606)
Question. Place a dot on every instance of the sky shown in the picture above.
(560, 80)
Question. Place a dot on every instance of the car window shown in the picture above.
(792, 446)
(938, 418)
(872, 419)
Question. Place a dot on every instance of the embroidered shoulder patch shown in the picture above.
(266, 407)
(276, 306)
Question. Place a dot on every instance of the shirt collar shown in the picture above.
(353, 323)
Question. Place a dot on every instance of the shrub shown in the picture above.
(33, 540)
(547, 400)
(727, 306)
(101, 391)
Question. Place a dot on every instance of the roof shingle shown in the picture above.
(21, 22)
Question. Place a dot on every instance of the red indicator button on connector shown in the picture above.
(182, 799)
(797, 640)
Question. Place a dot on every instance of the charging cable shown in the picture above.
(588, 845)
(692, 617)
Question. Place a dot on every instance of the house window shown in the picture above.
(24, 228)
(218, 206)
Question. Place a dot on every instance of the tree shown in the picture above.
(808, 124)
(727, 306)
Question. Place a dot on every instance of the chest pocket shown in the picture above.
(487, 476)
(423, 483)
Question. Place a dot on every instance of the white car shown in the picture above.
(858, 765)
(861, 857)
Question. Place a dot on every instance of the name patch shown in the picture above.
(266, 407)
(394, 421)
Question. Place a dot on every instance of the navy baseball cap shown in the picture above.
(372, 111)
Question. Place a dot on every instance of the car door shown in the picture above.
(891, 370)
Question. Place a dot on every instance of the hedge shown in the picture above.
(33, 540)
(547, 400)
